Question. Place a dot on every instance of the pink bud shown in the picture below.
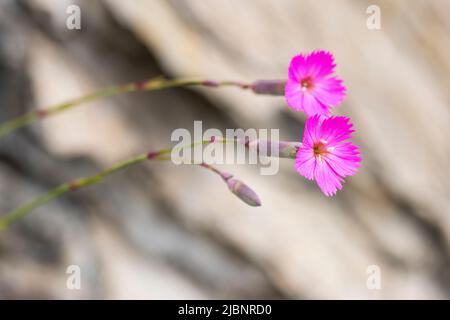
(243, 192)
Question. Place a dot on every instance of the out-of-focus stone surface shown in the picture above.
(161, 231)
(395, 93)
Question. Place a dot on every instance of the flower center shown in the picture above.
(320, 148)
(306, 83)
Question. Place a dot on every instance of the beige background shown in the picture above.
(159, 231)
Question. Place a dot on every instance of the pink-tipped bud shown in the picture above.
(272, 87)
(243, 192)
(288, 149)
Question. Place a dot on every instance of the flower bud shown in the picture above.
(243, 192)
(288, 149)
(272, 87)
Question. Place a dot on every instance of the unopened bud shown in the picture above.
(272, 87)
(243, 192)
(288, 149)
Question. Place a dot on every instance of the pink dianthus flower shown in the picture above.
(325, 154)
(310, 86)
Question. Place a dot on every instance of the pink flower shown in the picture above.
(325, 155)
(310, 87)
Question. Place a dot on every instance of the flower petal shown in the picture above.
(327, 179)
(297, 68)
(303, 101)
(336, 129)
(305, 162)
(343, 166)
(293, 95)
(312, 106)
(347, 151)
(329, 91)
(311, 131)
(320, 64)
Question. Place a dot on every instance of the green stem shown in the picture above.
(149, 85)
(287, 150)
(22, 211)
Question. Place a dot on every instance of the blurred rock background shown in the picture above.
(161, 231)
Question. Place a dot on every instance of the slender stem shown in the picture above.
(148, 85)
(22, 211)
(213, 169)
(66, 187)
(287, 150)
